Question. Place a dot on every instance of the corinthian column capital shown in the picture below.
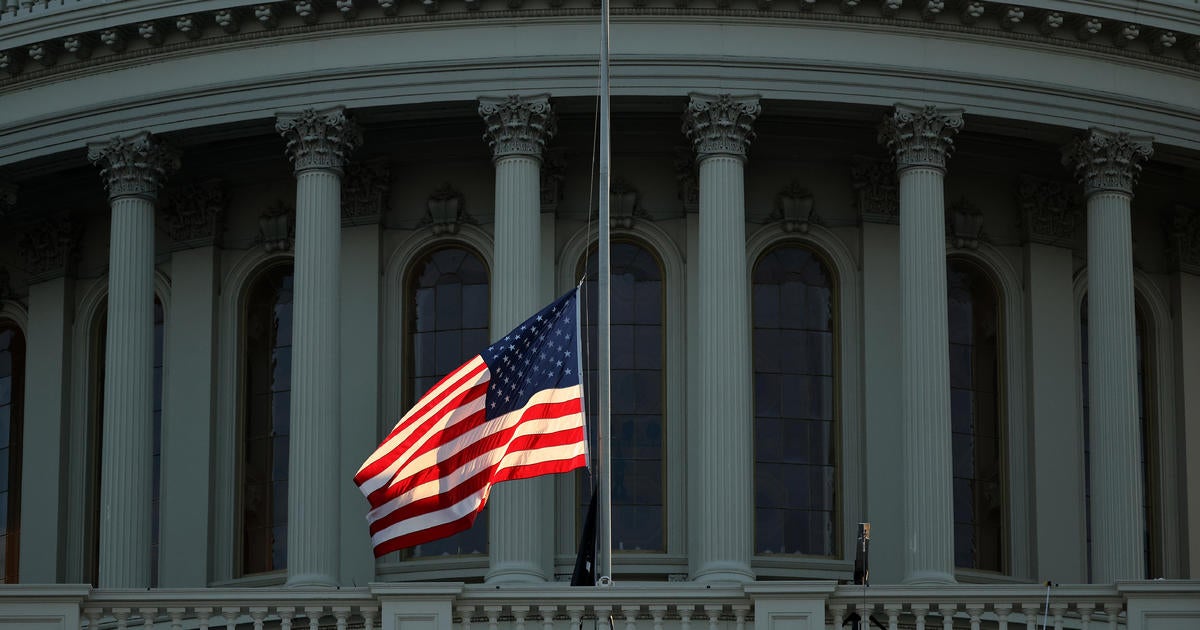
(319, 139)
(920, 136)
(720, 124)
(1107, 160)
(517, 125)
(133, 166)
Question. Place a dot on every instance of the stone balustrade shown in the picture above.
(810, 605)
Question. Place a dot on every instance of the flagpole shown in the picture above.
(604, 439)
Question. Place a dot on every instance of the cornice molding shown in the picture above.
(1107, 161)
(134, 166)
(162, 31)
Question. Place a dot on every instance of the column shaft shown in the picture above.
(723, 529)
(128, 421)
(925, 379)
(1118, 536)
(520, 523)
(313, 528)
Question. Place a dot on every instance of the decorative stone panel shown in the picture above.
(554, 166)
(964, 224)
(794, 208)
(365, 190)
(624, 204)
(446, 210)
(1050, 210)
(1183, 238)
(687, 179)
(877, 191)
(193, 214)
(48, 248)
(720, 124)
(277, 227)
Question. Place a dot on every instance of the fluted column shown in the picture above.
(1107, 164)
(723, 517)
(133, 169)
(520, 528)
(921, 139)
(318, 143)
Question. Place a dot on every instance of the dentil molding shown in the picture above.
(1108, 161)
(720, 124)
(920, 136)
(319, 139)
(518, 125)
(133, 166)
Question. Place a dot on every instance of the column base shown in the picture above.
(311, 580)
(920, 578)
(515, 573)
(724, 572)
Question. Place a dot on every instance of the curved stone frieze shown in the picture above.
(133, 166)
(720, 124)
(1106, 161)
(319, 139)
(517, 125)
(921, 136)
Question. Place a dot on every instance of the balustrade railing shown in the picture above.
(205, 609)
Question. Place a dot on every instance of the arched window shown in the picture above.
(975, 416)
(266, 417)
(448, 305)
(637, 384)
(795, 409)
(100, 334)
(12, 390)
(1153, 543)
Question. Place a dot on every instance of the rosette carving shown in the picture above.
(1108, 161)
(517, 125)
(920, 136)
(319, 139)
(721, 124)
(133, 166)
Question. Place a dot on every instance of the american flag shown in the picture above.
(513, 411)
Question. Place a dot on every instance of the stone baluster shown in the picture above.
(133, 169)
(921, 140)
(720, 128)
(1108, 164)
(318, 144)
(1002, 613)
(975, 612)
(919, 611)
(517, 129)
(1029, 610)
(893, 615)
(1085, 614)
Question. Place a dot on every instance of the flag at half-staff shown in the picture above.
(513, 411)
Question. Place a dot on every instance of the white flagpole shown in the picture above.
(604, 439)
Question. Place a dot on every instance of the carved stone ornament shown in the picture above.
(1050, 210)
(193, 213)
(1183, 238)
(920, 136)
(517, 125)
(794, 207)
(964, 224)
(48, 248)
(1106, 161)
(687, 179)
(8, 198)
(133, 166)
(554, 166)
(624, 204)
(319, 139)
(277, 227)
(720, 124)
(877, 191)
(6, 290)
(365, 188)
(446, 210)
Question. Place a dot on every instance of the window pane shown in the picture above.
(267, 420)
(447, 302)
(973, 318)
(796, 461)
(637, 383)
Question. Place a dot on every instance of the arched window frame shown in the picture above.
(13, 314)
(1017, 482)
(83, 442)
(396, 273)
(1167, 518)
(674, 560)
(848, 413)
(227, 450)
